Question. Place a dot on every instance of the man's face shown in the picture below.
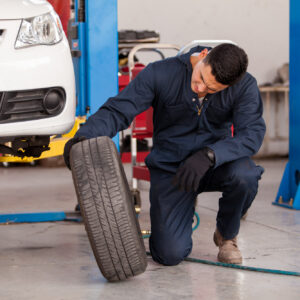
(203, 82)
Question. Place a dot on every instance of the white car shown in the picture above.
(37, 85)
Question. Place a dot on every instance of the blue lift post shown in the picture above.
(95, 57)
(96, 64)
(289, 191)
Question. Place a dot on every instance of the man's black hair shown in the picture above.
(228, 63)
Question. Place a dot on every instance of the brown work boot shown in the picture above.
(228, 250)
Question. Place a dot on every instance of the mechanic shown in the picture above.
(196, 98)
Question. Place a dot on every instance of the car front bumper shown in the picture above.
(33, 68)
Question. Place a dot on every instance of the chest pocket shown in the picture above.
(180, 114)
(217, 116)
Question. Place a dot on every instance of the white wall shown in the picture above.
(261, 27)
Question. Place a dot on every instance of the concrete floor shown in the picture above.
(55, 261)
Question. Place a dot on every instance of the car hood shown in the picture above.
(20, 9)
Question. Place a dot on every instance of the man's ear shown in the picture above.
(203, 54)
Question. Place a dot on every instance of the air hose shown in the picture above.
(219, 264)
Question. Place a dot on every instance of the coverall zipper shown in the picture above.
(199, 108)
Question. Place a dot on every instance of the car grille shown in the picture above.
(27, 105)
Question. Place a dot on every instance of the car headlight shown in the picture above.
(41, 30)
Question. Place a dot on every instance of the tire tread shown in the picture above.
(107, 208)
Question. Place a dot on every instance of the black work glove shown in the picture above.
(68, 147)
(190, 173)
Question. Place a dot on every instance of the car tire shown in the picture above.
(107, 209)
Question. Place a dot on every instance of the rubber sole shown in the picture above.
(107, 209)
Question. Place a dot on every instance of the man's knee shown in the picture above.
(245, 181)
(245, 175)
(168, 252)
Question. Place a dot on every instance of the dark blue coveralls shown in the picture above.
(179, 132)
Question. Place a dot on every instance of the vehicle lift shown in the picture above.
(289, 190)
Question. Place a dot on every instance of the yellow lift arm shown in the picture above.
(56, 146)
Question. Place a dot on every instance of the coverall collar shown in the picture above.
(185, 58)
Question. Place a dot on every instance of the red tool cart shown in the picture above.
(142, 126)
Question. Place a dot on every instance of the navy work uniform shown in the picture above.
(182, 126)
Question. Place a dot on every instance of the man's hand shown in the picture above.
(68, 147)
(189, 175)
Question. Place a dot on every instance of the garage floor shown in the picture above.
(54, 260)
